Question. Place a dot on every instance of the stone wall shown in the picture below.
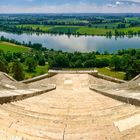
(127, 99)
(21, 96)
(38, 78)
(52, 72)
(108, 78)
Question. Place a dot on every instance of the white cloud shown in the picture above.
(129, 2)
(118, 3)
(133, 0)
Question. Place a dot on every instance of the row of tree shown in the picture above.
(127, 61)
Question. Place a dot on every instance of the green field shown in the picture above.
(133, 20)
(13, 48)
(105, 71)
(108, 25)
(108, 72)
(82, 30)
(35, 27)
(103, 56)
(64, 29)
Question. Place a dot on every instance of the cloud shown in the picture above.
(130, 2)
(118, 3)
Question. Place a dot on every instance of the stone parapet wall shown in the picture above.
(108, 78)
(38, 78)
(136, 78)
(130, 99)
(17, 95)
(95, 72)
(7, 76)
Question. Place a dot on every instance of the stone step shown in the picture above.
(27, 130)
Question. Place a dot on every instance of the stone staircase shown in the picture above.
(71, 112)
(44, 117)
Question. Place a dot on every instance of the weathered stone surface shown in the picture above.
(128, 122)
(71, 112)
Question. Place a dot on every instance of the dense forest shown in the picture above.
(127, 61)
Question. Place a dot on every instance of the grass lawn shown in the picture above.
(105, 71)
(103, 56)
(108, 72)
(94, 31)
(39, 71)
(13, 48)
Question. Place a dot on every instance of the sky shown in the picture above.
(69, 6)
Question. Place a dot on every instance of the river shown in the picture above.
(73, 43)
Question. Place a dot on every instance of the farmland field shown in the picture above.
(82, 30)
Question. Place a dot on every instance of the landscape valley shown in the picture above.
(70, 70)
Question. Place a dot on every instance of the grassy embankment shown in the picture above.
(82, 30)
(13, 48)
(108, 72)
(105, 71)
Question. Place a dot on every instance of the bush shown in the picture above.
(17, 70)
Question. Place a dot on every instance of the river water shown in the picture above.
(73, 43)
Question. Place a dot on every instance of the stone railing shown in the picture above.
(7, 96)
(52, 72)
(9, 77)
(38, 78)
(130, 98)
(108, 78)
(135, 78)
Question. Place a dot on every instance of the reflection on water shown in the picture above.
(73, 43)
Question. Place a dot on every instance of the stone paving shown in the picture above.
(71, 112)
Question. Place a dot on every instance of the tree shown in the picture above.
(78, 64)
(31, 64)
(9, 56)
(59, 61)
(17, 70)
(41, 61)
(133, 68)
(90, 63)
(115, 62)
(3, 65)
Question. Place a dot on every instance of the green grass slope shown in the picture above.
(13, 48)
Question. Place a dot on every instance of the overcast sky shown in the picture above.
(69, 6)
